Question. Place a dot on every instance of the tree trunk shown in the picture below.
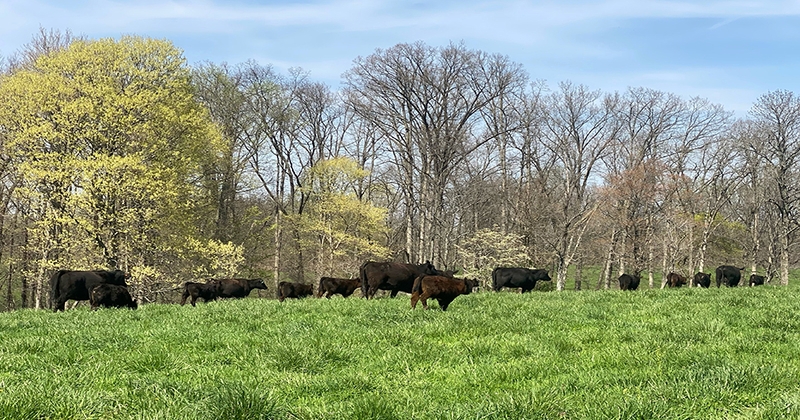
(756, 243)
(605, 275)
(785, 254)
(276, 260)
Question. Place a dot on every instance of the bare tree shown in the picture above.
(43, 43)
(580, 127)
(427, 103)
(777, 115)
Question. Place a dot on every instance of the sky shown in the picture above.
(730, 52)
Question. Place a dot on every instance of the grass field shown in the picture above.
(649, 354)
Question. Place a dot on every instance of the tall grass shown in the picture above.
(665, 354)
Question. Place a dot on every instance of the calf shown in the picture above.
(702, 279)
(207, 291)
(111, 296)
(756, 280)
(675, 280)
(629, 281)
(331, 286)
(294, 290)
(443, 289)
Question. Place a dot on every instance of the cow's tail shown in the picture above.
(55, 288)
(417, 287)
(494, 279)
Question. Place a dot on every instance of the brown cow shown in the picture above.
(294, 290)
(331, 286)
(443, 289)
(675, 280)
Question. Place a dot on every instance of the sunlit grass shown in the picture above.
(683, 353)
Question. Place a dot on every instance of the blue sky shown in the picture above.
(730, 52)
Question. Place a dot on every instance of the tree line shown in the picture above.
(116, 153)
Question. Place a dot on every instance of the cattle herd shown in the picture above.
(421, 281)
(727, 275)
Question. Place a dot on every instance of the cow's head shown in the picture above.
(428, 268)
(118, 277)
(469, 285)
(257, 284)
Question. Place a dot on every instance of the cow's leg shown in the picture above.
(444, 303)
(59, 305)
(414, 299)
(394, 293)
(424, 298)
(184, 296)
(328, 294)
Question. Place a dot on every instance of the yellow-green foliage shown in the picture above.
(107, 140)
(341, 226)
(489, 248)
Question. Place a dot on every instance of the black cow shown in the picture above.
(756, 280)
(397, 277)
(702, 279)
(294, 290)
(76, 285)
(206, 291)
(675, 280)
(111, 296)
(443, 289)
(331, 286)
(728, 275)
(514, 277)
(629, 281)
(237, 288)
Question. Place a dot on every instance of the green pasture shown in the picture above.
(650, 354)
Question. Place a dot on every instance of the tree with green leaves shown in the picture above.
(109, 142)
(341, 230)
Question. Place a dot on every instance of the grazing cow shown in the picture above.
(111, 296)
(294, 290)
(702, 279)
(397, 277)
(331, 286)
(207, 291)
(516, 277)
(629, 281)
(728, 275)
(237, 288)
(756, 280)
(675, 280)
(443, 289)
(76, 285)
